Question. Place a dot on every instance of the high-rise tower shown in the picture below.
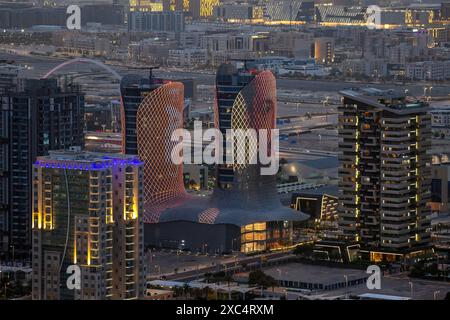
(384, 172)
(35, 119)
(244, 210)
(87, 213)
(152, 111)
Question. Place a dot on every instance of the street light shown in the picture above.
(13, 254)
(232, 244)
(411, 286)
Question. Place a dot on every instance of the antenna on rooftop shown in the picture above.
(150, 75)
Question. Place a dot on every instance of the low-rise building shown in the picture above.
(428, 70)
(188, 57)
(320, 204)
(171, 21)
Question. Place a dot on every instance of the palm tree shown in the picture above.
(186, 290)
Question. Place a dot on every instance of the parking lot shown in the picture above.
(395, 285)
(401, 286)
(166, 261)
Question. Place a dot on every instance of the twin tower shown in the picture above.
(243, 200)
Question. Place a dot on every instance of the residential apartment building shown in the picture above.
(292, 44)
(324, 50)
(428, 70)
(384, 173)
(87, 215)
(35, 120)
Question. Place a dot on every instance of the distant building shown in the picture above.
(103, 13)
(98, 118)
(440, 122)
(238, 12)
(420, 15)
(28, 17)
(145, 5)
(202, 8)
(87, 212)
(167, 21)
(9, 77)
(337, 15)
(151, 50)
(103, 142)
(440, 187)
(292, 44)
(86, 44)
(40, 118)
(188, 57)
(323, 50)
(195, 176)
(428, 70)
(372, 67)
(445, 11)
(289, 11)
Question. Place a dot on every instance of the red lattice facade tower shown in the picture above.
(159, 115)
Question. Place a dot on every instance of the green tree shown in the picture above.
(261, 279)
(305, 250)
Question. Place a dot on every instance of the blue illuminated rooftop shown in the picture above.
(83, 160)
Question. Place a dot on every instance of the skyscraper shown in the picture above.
(133, 89)
(87, 212)
(384, 173)
(153, 109)
(244, 211)
(36, 119)
(9, 77)
(246, 99)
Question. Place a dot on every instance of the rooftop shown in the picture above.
(327, 189)
(321, 163)
(389, 100)
(79, 160)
